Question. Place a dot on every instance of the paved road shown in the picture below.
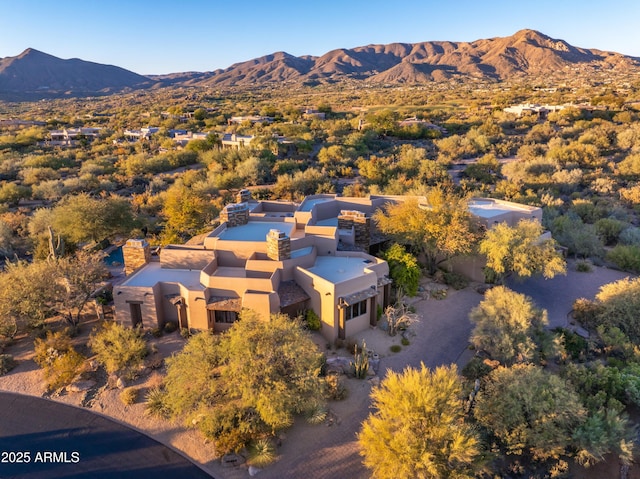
(558, 294)
(93, 446)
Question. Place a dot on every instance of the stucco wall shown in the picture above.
(148, 297)
(185, 258)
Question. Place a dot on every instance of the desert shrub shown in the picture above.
(170, 327)
(456, 280)
(574, 344)
(129, 396)
(583, 267)
(476, 369)
(156, 332)
(405, 342)
(335, 389)
(403, 268)
(185, 333)
(396, 348)
(317, 414)
(626, 257)
(630, 236)
(312, 320)
(585, 312)
(120, 350)
(60, 363)
(609, 230)
(7, 363)
(262, 452)
(438, 293)
(155, 403)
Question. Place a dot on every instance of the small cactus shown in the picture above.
(56, 249)
(360, 364)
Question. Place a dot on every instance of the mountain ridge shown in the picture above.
(525, 53)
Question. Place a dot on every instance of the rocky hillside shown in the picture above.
(525, 53)
(34, 74)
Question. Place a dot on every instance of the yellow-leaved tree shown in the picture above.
(419, 428)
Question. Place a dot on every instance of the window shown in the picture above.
(226, 316)
(356, 309)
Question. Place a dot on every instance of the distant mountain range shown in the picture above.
(34, 74)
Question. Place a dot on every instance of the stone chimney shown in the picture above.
(244, 195)
(136, 254)
(235, 214)
(278, 245)
(361, 225)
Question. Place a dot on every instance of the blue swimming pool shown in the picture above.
(115, 258)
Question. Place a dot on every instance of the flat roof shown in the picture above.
(308, 204)
(328, 222)
(153, 273)
(489, 208)
(255, 231)
(339, 268)
(296, 253)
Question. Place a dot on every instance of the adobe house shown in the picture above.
(266, 256)
(275, 256)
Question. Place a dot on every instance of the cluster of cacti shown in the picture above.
(360, 364)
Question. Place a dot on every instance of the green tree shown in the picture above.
(25, 292)
(403, 268)
(120, 350)
(443, 227)
(529, 410)
(275, 366)
(418, 428)
(506, 325)
(78, 279)
(246, 383)
(616, 306)
(185, 213)
(82, 218)
(520, 250)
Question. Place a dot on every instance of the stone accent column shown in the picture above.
(361, 224)
(278, 245)
(244, 195)
(136, 253)
(345, 220)
(235, 214)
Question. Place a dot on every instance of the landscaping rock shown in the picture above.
(253, 470)
(375, 381)
(374, 364)
(80, 386)
(120, 384)
(232, 460)
(338, 365)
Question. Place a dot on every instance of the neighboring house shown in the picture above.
(141, 134)
(275, 256)
(310, 114)
(253, 119)
(184, 138)
(231, 140)
(72, 136)
(532, 108)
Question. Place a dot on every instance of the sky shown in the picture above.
(162, 36)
